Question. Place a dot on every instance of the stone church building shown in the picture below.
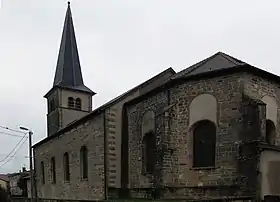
(208, 132)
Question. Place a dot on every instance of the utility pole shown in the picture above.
(31, 166)
(30, 133)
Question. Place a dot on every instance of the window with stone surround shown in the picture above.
(204, 144)
(71, 102)
(84, 162)
(66, 166)
(149, 153)
(53, 171)
(270, 132)
(78, 103)
(42, 173)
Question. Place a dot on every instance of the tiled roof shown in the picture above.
(215, 62)
(4, 177)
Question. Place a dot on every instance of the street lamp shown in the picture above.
(30, 133)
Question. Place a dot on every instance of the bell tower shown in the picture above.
(68, 99)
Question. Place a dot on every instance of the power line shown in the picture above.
(22, 139)
(14, 153)
(10, 129)
(15, 156)
(17, 147)
(10, 134)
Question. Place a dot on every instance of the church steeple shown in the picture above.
(68, 70)
(69, 99)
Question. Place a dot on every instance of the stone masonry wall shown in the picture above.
(269, 92)
(114, 120)
(156, 104)
(111, 142)
(114, 137)
(257, 87)
(184, 181)
(89, 134)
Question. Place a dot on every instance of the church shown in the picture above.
(208, 132)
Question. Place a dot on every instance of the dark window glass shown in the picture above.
(270, 131)
(78, 103)
(84, 162)
(204, 144)
(70, 102)
(43, 172)
(66, 167)
(149, 152)
(53, 171)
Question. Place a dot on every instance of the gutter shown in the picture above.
(105, 158)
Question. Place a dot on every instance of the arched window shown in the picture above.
(149, 153)
(53, 171)
(270, 131)
(204, 144)
(78, 103)
(42, 173)
(71, 102)
(66, 167)
(84, 162)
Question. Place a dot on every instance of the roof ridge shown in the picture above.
(199, 64)
(231, 59)
(194, 66)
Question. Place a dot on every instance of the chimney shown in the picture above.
(23, 169)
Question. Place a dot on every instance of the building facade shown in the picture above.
(208, 132)
(4, 182)
(17, 183)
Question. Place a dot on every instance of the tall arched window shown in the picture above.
(149, 153)
(71, 102)
(42, 173)
(53, 171)
(66, 166)
(204, 144)
(78, 103)
(270, 131)
(84, 162)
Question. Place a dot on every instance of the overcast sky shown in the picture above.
(121, 44)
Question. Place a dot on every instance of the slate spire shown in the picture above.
(68, 70)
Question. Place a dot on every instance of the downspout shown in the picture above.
(105, 158)
(34, 176)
